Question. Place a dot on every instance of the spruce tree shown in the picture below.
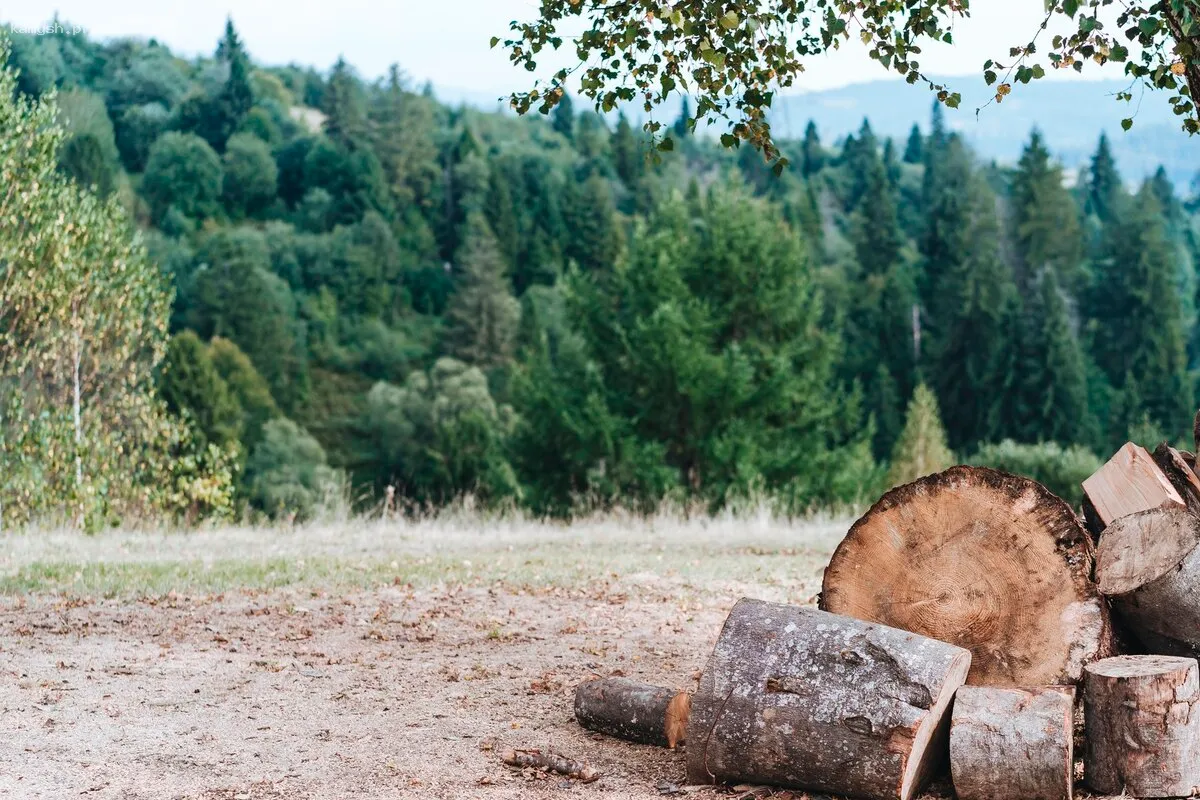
(968, 329)
(1104, 187)
(592, 238)
(563, 117)
(945, 243)
(914, 148)
(812, 155)
(628, 152)
(1061, 380)
(345, 114)
(921, 449)
(502, 215)
(1044, 218)
(483, 316)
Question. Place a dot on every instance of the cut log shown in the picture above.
(1148, 564)
(1007, 743)
(550, 762)
(1128, 483)
(981, 559)
(799, 698)
(1142, 715)
(634, 711)
(1181, 475)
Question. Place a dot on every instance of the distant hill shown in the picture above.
(1070, 113)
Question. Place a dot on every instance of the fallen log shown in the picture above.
(1007, 743)
(1128, 482)
(1148, 565)
(800, 698)
(1142, 715)
(1182, 476)
(550, 762)
(981, 559)
(634, 711)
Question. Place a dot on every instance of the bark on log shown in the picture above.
(1013, 743)
(550, 762)
(1142, 715)
(1148, 565)
(799, 698)
(1129, 482)
(981, 559)
(1181, 475)
(634, 711)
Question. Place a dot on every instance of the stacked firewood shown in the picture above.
(961, 622)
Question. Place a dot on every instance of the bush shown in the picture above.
(287, 474)
(1059, 470)
(184, 172)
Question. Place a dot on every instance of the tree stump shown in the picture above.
(1013, 743)
(634, 711)
(1129, 482)
(1148, 565)
(799, 698)
(1142, 715)
(981, 559)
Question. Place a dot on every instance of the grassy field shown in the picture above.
(362, 658)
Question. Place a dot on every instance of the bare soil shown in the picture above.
(392, 690)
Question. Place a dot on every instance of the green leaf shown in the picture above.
(1038, 71)
(729, 140)
(1070, 7)
(667, 144)
(1148, 26)
(495, 41)
(730, 20)
(990, 77)
(1126, 124)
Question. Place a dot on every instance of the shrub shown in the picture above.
(287, 474)
(1061, 470)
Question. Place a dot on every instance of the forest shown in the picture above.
(330, 291)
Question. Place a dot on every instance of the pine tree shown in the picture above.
(921, 449)
(682, 128)
(914, 149)
(877, 238)
(945, 243)
(482, 319)
(403, 137)
(1044, 217)
(812, 155)
(592, 239)
(501, 215)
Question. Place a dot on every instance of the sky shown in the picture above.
(446, 42)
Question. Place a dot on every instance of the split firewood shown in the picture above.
(1013, 743)
(550, 762)
(800, 698)
(1181, 475)
(634, 711)
(984, 560)
(1148, 565)
(1142, 716)
(1129, 482)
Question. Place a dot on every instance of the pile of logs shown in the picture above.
(959, 621)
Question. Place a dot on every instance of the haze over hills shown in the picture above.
(1070, 114)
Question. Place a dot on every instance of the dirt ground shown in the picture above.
(395, 689)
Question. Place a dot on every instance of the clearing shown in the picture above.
(362, 659)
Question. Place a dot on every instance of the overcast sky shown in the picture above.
(447, 41)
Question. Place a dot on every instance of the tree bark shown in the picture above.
(1142, 715)
(1013, 743)
(984, 560)
(1180, 474)
(634, 711)
(800, 698)
(1129, 482)
(1148, 565)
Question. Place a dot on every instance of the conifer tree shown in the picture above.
(403, 130)
(1061, 380)
(914, 148)
(1104, 187)
(812, 155)
(483, 316)
(1135, 312)
(345, 115)
(971, 293)
(1044, 218)
(592, 239)
(502, 216)
(563, 117)
(629, 154)
(945, 243)
(921, 449)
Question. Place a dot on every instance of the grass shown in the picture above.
(454, 548)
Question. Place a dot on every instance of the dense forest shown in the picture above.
(380, 298)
